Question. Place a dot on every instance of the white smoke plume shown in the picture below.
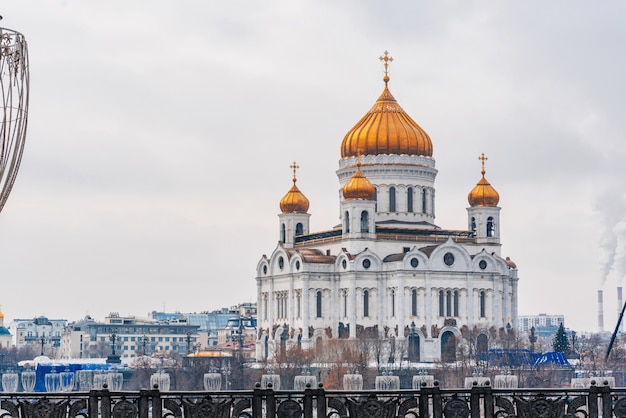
(611, 208)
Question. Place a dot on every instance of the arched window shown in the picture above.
(482, 304)
(414, 302)
(392, 199)
(448, 303)
(283, 233)
(409, 199)
(482, 343)
(346, 224)
(473, 225)
(365, 223)
(448, 347)
(366, 303)
(441, 303)
(393, 303)
(318, 304)
(299, 229)
(424, 201)
(456, 303)
(491, 227)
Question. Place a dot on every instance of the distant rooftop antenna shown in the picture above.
(14, 82)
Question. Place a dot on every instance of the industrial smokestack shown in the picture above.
(600, 312)
(620, 302)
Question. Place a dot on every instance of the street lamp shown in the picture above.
(413, 347)
(43, 341)
(508, 334)
(532, 339)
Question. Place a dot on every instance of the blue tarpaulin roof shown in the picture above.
(509, 357)
(519, 358)
(552, 358)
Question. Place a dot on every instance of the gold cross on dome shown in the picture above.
(294, 167)
(482, 159)
(386, 58)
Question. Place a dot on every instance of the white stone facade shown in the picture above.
(387, 269)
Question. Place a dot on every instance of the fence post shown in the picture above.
(270, 402)
(105, 403)
(144, 403)
(592, 401)
(424, 394)
(437, 407)
(475, 401)
(92, 403)
(257, 402)
(157, 407)
(321, 401)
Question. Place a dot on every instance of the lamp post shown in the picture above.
(113, 339)
(508, 334)
(532, 339)
(413, 347)
(43, 341)
(113, 358)
(283, 339)
(144, 341)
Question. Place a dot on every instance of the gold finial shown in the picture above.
(294, 167)
(358, 160)
(482, 159)
(387, 59)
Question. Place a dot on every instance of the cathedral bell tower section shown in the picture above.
(358, 206)
(294, 219)
(483, 215)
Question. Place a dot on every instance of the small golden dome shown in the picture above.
(294, 201)
(359, 187)
(483, 194)
(386, 129)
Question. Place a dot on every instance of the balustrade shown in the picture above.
(435, 402)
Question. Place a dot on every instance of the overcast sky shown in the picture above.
(161, 133)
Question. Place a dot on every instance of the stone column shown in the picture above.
(352, 304)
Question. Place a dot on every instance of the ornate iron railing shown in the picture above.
(433, 402)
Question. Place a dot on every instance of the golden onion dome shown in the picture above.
(294, 201)
(359, 187)
(483, 194)
(386, 129)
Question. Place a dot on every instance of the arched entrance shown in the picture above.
(482, 343)
(414, 348)
(448, 347)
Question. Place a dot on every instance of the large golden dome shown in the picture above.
(483, 194)
(294, 201)
(359, 187)
(386, 129)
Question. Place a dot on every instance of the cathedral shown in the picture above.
(387, 270)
